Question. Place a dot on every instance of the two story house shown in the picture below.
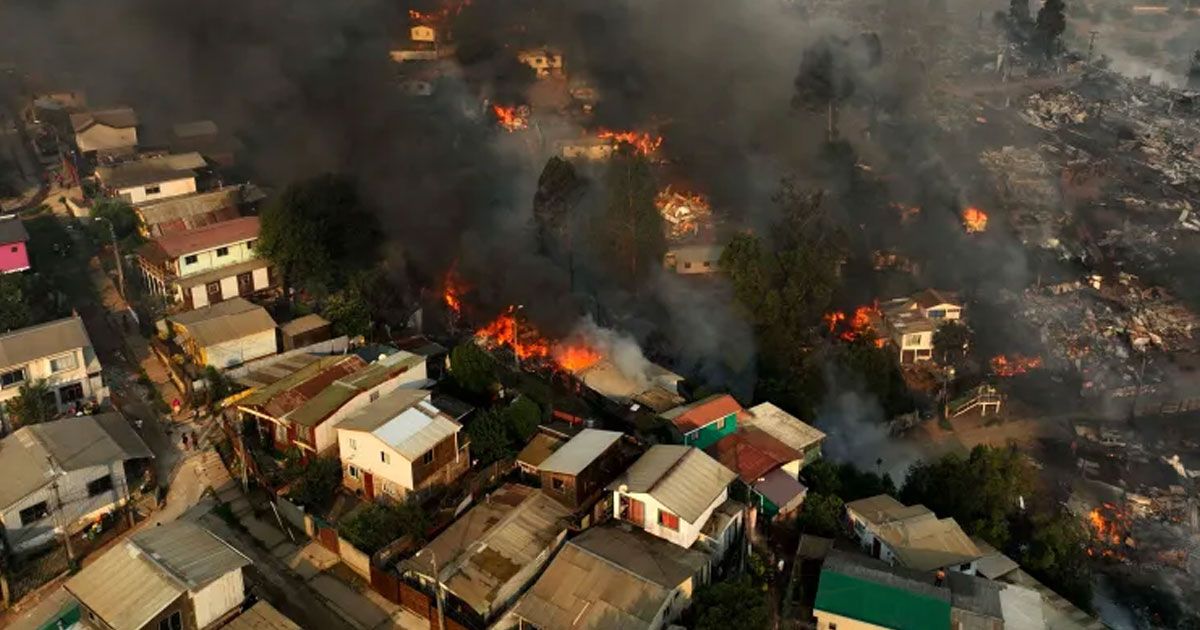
(704, 422)
(62, 475)
(910, 322)
(577, 472)
(153, 177)
(14, 256)
(303, 409)
(401, 443)
(206, 265)
(911, 536)
(171, 577)
(58, 353)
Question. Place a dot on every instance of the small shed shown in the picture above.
(305, 331)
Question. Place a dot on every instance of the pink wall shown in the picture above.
(11, 260)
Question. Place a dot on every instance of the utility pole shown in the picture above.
(58, 507)
(1091, 45)
(441, 598)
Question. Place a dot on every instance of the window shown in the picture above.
(353, 472)
(427, 458)
(687, 265)
(937, 314)
(174, 622)
(222, 251)
(100, 486)
(214, 291)
(63, 363)
(964, 567)
(723, 422)
(153, 190)
(353, 444)
(384, 457)
(250, 244)
(707, 264)
(68, 394)
(12, 378)
(912, 340)
(34, 513)
(190, 260)
(668, 520)
(558, 484)
(833, 626)
(14, 249)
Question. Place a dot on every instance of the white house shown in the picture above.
(105, 131)
(64, 474)
(400, 443)
(671, 491)
(911, 536)
(910, 322)
(174, 576)
(58, 353)
(152, 178)
(225, 335)
(206, 265)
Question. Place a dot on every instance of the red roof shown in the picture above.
(705, 412)
(752, 453)
(178, 244)
(289, 399)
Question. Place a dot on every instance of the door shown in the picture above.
(876, 548)
(369, 485)
(245, 283)
(214, 292)
(633, 511)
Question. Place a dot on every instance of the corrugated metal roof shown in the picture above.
(185, 207)
(276, 368)
(682, 478)
(176, 244)
(703, 412)
(505, 541)
(404, 420)
(918, 538)
(782, 489)
(307, 374)
(580, 451)
(44, 340)
(225, 321)
(539, 448)
(261, 616)
(782, 426)
(131, 583)
(118, 117)
(752, 453)
(191, 554)
(608, 577)
(151, 170)
(303, 324)
(31, 456)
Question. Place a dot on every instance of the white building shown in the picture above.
(400, 443)
(544, 61)
(206, 265)
(911, 536)
(58, 353)
(225, 335)
(152, 178)
(671, 491)
(174, 576)
(910, 322)
(64, 474)
(105, 131)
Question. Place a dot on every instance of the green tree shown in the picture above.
(1051, 22)
(317, 484)
(473, 369)
(318, 234)
(845, 480)
(629, 231)
(821, 515)
(217, 386)
(1056, 552)
(491, 440)
(951, 341)
(737, 603)
(522, 418)
(559, 189)
(879, 371)
(124, 220)
(377, 525)
(15, 312)
(33, 404)
(348, 311)
(981, 491)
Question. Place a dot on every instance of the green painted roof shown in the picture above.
(880, 604)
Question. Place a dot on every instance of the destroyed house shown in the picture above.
(401, 443)
(704, 422)
(911, 536)
(656, 390)
(206, 265)
(174, 576)
(575, 474)
(303, 409)
(154, 177)
(492, 553)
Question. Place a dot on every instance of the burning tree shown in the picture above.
(642, 143)
(861, 325)
(511, 118)
(1014, 365)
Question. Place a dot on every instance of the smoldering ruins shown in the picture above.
(1055, 203)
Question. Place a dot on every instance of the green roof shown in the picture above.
(879, 604)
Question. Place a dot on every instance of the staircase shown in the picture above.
(984, 398)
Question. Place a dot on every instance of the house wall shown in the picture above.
(239, 351)
(326, 432)
(361, 450)
(687, 533)
(219, 598)
(13, 257)
(450, 461)
(829, 621)
(78, 510)
(208, 260)
(186, 613)
(40, 369)
(578, 489)
(105, 138)
(711, 433)
(168, 188)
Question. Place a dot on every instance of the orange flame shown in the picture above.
(1016, 364)
(509, 118)
(856, 326)
(642, 142)
(974, 220)
(576, 358)
(528, 344)
(452, 291)
(684, 212)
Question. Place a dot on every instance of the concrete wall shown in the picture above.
(361, 450)
(354, 558)
(687, 533)
(78, 510)
(219, 598)
(169, 188)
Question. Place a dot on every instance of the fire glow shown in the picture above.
(856, 326)
(642, 142)
(684, 212)
(529, 345)
(452, 292)
(510, 118)
(974, 220)
(1006, 366)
